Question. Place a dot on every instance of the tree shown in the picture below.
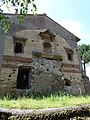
(20, 7)
(84, 51)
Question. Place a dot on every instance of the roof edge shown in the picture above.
(78, 39)
(44, 14)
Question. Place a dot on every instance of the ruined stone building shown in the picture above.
(40, 56)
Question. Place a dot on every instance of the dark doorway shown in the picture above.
(23, 78)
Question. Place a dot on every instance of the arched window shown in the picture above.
(47, 47)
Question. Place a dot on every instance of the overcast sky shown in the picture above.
(71, 14)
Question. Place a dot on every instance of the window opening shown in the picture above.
(18, 47)
(70, 53)
(70, 56)
(47, 47)
(19, 43)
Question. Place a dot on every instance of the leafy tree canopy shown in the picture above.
(84, 52)
(20, 7)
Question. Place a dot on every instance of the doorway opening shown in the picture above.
(24, 77)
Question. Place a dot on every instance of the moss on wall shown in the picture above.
(47, 56)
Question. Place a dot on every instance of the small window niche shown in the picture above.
(47, 35)
(18, 47)
(47, 47)
(19, 44)
(67, 82)
(69, 54)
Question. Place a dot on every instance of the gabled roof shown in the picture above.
(77, 39)
(41, 21)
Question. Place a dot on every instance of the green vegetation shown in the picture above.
(84, 51)
(21, 9)
(47, 56)
(52, 101)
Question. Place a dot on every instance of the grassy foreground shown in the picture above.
(44, 102)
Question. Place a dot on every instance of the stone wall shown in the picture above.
(86, 84)
(43, 69)
(2, 38)
(8, 80)
(72, 113)
(77, 85)
(46, 77)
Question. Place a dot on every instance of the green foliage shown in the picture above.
(47, 56)
(5, 24)
(51, 101)
(84, 52)
(20, 7)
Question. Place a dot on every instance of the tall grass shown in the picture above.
(51, 101)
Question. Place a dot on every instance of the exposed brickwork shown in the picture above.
(47, 72)
(70, 65)
(16, 58)
(9, 66)
(46, 77)
(71, 71)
